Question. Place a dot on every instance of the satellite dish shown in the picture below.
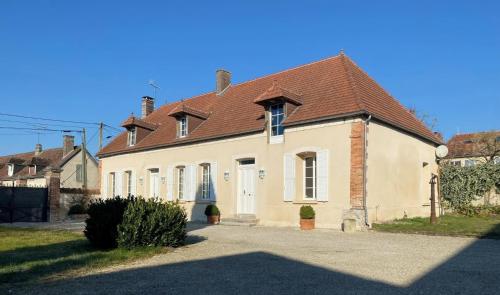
(441, 151)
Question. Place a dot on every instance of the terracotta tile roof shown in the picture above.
(48, 157)
(333, 87)
(471, 144)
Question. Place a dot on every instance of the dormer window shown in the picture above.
(132, 136)
(183, 126)
(10, 169)
(32, 170)
(277, 116)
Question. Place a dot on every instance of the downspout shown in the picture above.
(365, 207)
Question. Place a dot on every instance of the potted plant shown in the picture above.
(307, 215)
(213, 214)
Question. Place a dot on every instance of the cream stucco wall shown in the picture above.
(397, 182)
(397, 179)
(68, 174)
(270, 207)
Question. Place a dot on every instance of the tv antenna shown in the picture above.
(152, 83)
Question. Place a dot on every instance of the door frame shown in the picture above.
(239, 183)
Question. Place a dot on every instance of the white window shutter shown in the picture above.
(170, 183)
(133, 187)
(119, 182)
(322, 161)
(289, 177)
(213, 181)
(105, 188)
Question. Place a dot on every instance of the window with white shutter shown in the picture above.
(213, 181)
(170, 183)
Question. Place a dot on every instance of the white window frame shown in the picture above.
(157, 187)
(280, 124)
(180, 182)
(496, 160)
(132, 136)
(456, 163)
(32, 170)
(469, 163)
(113, 183)
(205, 181)
(314, 177)
(10, 169)
(183, 126)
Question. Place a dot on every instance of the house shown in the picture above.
(323, 134)
(29, 169)
(474, 148)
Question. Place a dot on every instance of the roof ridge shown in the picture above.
(351, 81)
(32, 152)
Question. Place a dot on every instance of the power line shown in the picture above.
(42, 124)
(47, 119)
(38, 129)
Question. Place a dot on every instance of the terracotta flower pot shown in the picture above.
(213, 219)
(306, 224)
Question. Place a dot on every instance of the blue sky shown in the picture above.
(91, 60)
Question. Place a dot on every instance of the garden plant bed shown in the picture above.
(35, 255)
(448, 225)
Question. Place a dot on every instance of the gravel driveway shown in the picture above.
(265, 260)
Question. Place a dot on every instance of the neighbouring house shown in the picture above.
(323, 134)
(30, 168)
(470, 149)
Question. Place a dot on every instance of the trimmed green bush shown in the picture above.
(212, 210)
(77, 209)
(152, 223)
(481, 210)
(104, 218)
(307, 212)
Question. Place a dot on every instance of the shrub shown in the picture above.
(307, 212)
(77, 209)
(152, 223)
(104, 218)
(212, 210)
(482, 210)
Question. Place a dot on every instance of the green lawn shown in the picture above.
(29, 255)
(448, 225)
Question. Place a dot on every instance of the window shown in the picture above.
(496, 160)
(132, 136)
(128, 174)
(205, 181)
(32, 170)
(10, 169)
(78, 173)
(180, 182)
(456, 163)
(183, 127)
(310, 177)
(277, 116)
(469, 163)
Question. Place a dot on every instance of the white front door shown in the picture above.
(246, 189)
(154, 184)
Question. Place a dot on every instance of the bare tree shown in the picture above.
(487, 145)
(428, 120)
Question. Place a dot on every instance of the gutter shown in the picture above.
(365, 207)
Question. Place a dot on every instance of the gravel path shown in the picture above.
(265, 260)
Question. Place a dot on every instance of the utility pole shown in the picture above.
(101, 125)
(433, 199)
(84, 161)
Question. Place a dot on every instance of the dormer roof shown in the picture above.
(278, 93)
(183, 109)
(134, 121)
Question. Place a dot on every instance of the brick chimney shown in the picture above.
(38, 149)
(147, 106)
(222, 80)
(68, 144)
